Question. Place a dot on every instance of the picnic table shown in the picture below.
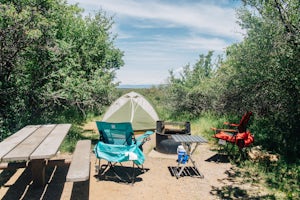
(35, 144)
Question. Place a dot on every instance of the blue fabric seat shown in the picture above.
(119, 153)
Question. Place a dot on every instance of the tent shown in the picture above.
(132, 107)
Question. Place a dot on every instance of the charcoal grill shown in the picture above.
(164, 131)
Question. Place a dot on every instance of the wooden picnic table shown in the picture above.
(34, 144)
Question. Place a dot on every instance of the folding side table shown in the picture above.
(187, 141)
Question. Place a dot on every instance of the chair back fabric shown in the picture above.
(115, 133)
(242, 127)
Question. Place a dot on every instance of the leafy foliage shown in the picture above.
(261, 74)
(191, 93)
(55, 65)
(266, 73)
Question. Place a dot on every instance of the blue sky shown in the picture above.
(161, 35)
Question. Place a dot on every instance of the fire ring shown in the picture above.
(166, 145)
(164, 131)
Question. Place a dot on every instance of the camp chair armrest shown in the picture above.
(145, 135)
(143, 138)
(225, 130)
(230, 124)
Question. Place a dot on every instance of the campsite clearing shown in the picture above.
(221, 180)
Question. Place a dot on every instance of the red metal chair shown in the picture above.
(237, 133)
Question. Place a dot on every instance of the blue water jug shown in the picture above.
(182, 155)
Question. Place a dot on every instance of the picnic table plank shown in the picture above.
(24, 149)
(49, 147)
(9, 143)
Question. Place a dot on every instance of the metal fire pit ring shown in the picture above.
(166, 145)
(164, 141)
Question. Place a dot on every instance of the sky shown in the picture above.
(157, 36)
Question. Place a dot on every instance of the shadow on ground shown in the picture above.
(232, 190)
(120, 174)
(80, 190)
(5, 175)
(221, 158)
(23, 188)
(187, 171)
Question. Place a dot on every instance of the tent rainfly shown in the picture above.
(132, 107)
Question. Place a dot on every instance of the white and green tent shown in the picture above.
(132, 107)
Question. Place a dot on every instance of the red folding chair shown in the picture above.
(236, 133)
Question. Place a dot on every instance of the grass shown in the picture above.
(202, 126)
(275, 177)
(281, 178)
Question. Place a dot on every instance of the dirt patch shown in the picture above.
(221, 181)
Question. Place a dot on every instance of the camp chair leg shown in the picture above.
(231, 149)
(103, 170)
(133, 174)
(222, 149)
(111, 166)
(243, 153)
(141, 168)
(97, 166)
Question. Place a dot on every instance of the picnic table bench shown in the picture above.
(35, 145)
(79, 169)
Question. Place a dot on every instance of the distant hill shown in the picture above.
(135, 86)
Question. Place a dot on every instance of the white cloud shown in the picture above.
(150, 53)
(138, 77)
(214, 44)
(205, 18)
(154, 58)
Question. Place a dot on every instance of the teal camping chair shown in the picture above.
(117, 144)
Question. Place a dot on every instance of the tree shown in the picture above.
(190, 93)
(265, 72)
(53, 62)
